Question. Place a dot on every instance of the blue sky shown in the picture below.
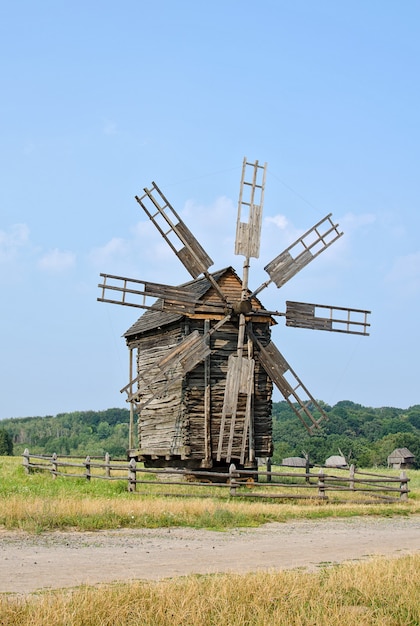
(100, 98)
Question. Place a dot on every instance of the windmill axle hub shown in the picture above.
(243, 307)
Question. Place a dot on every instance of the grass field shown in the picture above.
(38, 503)
(379, 592)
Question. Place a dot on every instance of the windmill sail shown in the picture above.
(289, 385)
(173, 366)
(180, 360)
(325, 317)
(301, 252)
(191, 351)
(239, 381)
(177, 235)
(250, 206)
(137, 293)
(240, 373)
(180, 239)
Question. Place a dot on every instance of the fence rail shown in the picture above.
(243, 483)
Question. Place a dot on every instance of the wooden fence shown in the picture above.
(243, 483)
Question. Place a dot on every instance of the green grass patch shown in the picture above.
(38, 503)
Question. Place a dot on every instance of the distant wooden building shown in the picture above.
(180, 422)
(336, 461)
(296, 461)
(401, 458)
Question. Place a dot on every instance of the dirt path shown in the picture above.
(67, 559)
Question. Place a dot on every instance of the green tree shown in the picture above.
(413, 416)
(6, 443)
(104, 430)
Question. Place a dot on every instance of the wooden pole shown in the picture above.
(403, 486)
(351, 476)
(26, 461)
(54, 465)
(321, 483)
(132, 475)
(269, 477)
(107, 465)
(207, 402)
(87, 466)
(131, 423)
(232, 479)
(307, 468)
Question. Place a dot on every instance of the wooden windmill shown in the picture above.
(205, 363)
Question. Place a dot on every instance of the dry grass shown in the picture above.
(37, 514)
(38, 503)
(380, 592)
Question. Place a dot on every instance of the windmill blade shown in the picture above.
(189, 353)
(174, 231)
(325, 317)
(251, 199)
(173, 366)
(301, 252)
(248, 431)
(239, 380)
(289, 385)
(137, 293)
(177, 235)
(240, 369)
(232, 390)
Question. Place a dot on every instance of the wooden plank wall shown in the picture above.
(173, 422)
(224, 343)
(161, 427)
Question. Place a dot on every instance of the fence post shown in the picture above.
(269, 477)
(351, 476)
(54, 465)
(307, 470)
(132, 475)
(26, 461)
(107, 465)
(321, 483)
(403, 486)
(232, 479)
(87, 465)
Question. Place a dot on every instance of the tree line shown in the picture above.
(365, 435)
(76, 433)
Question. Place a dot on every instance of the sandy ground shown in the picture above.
(67, 559)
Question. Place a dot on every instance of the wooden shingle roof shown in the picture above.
(400, 453)
(151, 319)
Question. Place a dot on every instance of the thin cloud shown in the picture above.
(114, 249)
(279, 220)
(57, 261)
(216, 210)
(350, 222)
(13, 240)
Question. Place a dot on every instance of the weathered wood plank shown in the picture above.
(183, 415)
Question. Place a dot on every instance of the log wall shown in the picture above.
(162, 425)
(184, 419)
